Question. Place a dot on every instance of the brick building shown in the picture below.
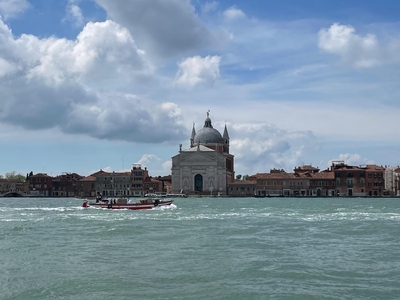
(40, 184)
(66, 185)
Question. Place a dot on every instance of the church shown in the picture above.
(207, 167)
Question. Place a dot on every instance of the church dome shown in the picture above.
(208, 135)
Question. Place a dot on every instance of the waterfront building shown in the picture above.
(374, 180)
(322, 183)
(138, 176)
(390, 187)
(40, 184)
(242, 188)
(206, 167)
(13, 187)
(397, 181)
(87, 186)
(305, 181)
(349, 180)
(152, 185)
(114, 184)
(66, 185)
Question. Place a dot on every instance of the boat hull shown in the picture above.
(130, 206)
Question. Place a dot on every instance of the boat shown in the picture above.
(176, 195)
(164, 195)
(123, 203)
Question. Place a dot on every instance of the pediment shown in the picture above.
(197, 157)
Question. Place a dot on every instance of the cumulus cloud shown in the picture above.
(262, 146)
(153, 163)
(209, 6)
(233, 13)
(196, 69)
(12, 8)
(162, 28)
(352, 159)
(148, 158)
(359, 51)
(65, 84)
(74, 13)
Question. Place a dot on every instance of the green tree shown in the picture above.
(14, 176)
(246, 177)
(238, 177)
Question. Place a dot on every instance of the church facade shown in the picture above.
(206, 167)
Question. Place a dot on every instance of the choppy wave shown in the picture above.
(201, 249)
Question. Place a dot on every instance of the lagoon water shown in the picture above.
(201, 248)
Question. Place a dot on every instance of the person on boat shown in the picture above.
(156, 202)
(98, 198)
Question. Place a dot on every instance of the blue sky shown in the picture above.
(99, 84)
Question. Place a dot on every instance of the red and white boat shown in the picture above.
(122, 203)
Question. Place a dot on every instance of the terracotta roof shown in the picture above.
(113, 174)
(375, 168)
(347, 168)
(306, 175)
(323, 175)
(40, 175)
(88, 178)
(241, 182)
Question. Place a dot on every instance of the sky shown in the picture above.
(104, 84)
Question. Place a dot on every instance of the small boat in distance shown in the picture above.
(164, 195)
(122, 203)
(176, 196)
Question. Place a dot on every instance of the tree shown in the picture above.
(246, 177)
(14, 176)
(238, 177)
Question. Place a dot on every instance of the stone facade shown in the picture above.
(206, 167)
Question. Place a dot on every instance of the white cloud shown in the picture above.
(233, 13)
(70, 85)
(148, 158)
(361, 52)
(74, 13)
(260, 146)
(6, 67)
(167, 165)
(209, 6)
(162, 28)
(12, 8)
(196, 69)
(352, 159)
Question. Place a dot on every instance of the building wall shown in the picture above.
(242, 188)
(211, 165)
(40, 184)
(375, 183)
(114, 184)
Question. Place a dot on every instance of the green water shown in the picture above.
(202, 248)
